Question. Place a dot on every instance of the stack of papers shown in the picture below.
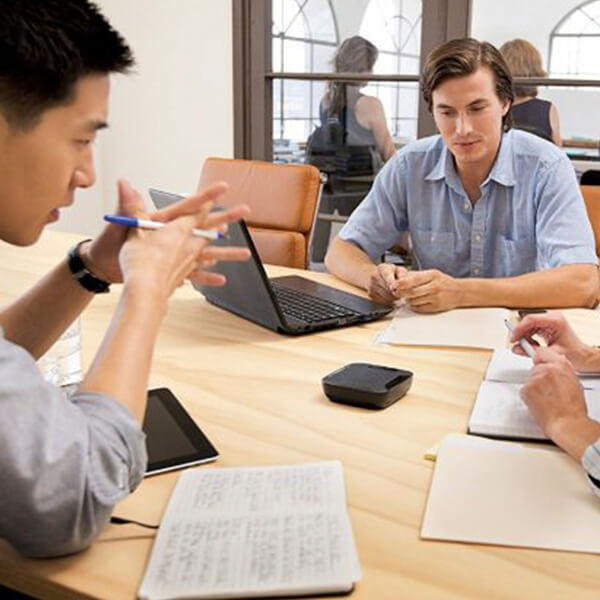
(508, 494)
(467, 327)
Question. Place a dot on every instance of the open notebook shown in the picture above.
(499, 411)
(255, 531)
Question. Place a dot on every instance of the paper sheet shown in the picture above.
(254, 531)
(512, 368)
(499, 411)
(469, 327)
(508, 494)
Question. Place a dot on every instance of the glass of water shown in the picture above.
(61, 365)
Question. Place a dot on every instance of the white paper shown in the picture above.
(504, 493)
(469, 327)
(499, 411)
(511, 368)
(254, 531)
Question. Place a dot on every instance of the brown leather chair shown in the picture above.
(283, 200)
(591, 197)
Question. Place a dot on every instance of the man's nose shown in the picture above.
(85, 173)
(463, 125)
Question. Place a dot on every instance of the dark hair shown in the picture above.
(461, 57)
(45, 47)
(354, 55)
(523, 60)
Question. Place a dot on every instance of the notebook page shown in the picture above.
(468, 327)
(254, 531)
(509, 367)
(499, 411)
(508, 494)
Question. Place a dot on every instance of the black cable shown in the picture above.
(121, 521)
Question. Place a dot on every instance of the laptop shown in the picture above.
(290, 304)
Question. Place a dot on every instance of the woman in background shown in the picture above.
(529, 112)
(362, 116)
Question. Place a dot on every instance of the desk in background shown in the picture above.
(257, 395)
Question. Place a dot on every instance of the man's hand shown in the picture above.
(101, 256)
(556, 332)
(383, 280)
(428, 291)
(555, 398)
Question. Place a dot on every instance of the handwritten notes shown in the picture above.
(254, 531)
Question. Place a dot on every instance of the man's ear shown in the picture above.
(506, 107)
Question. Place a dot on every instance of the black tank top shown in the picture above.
(533, 116)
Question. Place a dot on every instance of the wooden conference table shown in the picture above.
(257, 395)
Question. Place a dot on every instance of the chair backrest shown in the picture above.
(283, 200)
(591, 197)
(590, 177)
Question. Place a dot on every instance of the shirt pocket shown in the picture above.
(434, 249)
(515, 257)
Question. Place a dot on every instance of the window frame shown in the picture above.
(253, 73)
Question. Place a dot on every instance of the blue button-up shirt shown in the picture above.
(530, 215)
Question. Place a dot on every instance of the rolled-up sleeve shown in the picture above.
(591, 463)
(379, 220)
(563, 231)
(64, 463)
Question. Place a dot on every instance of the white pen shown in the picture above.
(148, 224)
(522, 342)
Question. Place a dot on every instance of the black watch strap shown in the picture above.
(85, 278)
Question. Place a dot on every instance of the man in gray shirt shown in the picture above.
(65, 463)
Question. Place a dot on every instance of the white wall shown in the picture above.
(173, 112)
(534, 20)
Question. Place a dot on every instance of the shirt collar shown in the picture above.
(502, 170)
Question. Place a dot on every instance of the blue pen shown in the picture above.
(148, 224)
(522, 342)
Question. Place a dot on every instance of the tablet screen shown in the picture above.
(173, 440)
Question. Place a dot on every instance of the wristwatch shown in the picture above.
(85, 278)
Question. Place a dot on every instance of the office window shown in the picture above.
(304, 39)
(394, 26)
(575, 43)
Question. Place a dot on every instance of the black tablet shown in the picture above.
(173, 440)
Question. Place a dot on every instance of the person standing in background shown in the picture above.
(529, 113)
(362, 116)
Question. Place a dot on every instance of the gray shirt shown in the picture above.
(64, 463)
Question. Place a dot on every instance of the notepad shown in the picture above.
(512, 495)
(256, 531)
(500, 412)
(468, 327)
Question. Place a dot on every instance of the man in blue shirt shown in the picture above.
(495, 215)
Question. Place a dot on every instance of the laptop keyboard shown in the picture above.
(304, 307)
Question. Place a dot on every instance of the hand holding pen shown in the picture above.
(149, 224)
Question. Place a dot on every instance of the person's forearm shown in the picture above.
(350, 263)
(122, 365)
(568, 286)
(37, 318)
(574, 435)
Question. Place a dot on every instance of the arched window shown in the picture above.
(394, 26)
(575, 43)
(304, 39)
